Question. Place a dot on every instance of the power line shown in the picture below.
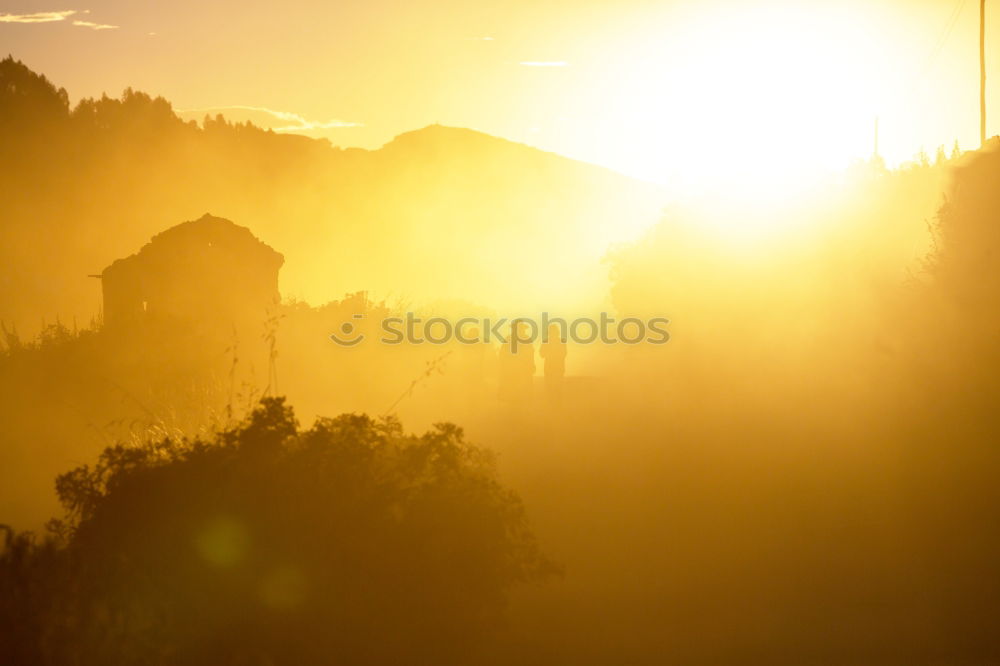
(943, 38)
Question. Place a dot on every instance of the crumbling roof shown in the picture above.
(203, 239)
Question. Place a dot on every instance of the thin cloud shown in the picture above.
(544, 63)
(37, 17)
(56, 17)
(95, 26)
(286, 121)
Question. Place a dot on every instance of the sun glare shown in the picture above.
(756, 107)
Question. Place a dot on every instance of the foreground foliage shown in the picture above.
(349, 542)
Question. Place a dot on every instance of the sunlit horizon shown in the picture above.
(698, 97)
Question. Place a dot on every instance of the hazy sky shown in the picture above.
(662, 90)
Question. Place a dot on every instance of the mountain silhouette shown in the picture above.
(436, 213)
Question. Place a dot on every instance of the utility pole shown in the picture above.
(875, 151)
(982, 72)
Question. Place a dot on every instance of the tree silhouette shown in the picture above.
(348, 542)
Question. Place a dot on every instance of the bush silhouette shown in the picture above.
(349, 542)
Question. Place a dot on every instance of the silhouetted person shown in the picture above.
(472, 365)
(517, 366)
(553, 353)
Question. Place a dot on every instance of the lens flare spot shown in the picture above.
(223, 542)
(283, 589)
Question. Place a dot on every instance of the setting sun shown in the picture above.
(761, 100)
